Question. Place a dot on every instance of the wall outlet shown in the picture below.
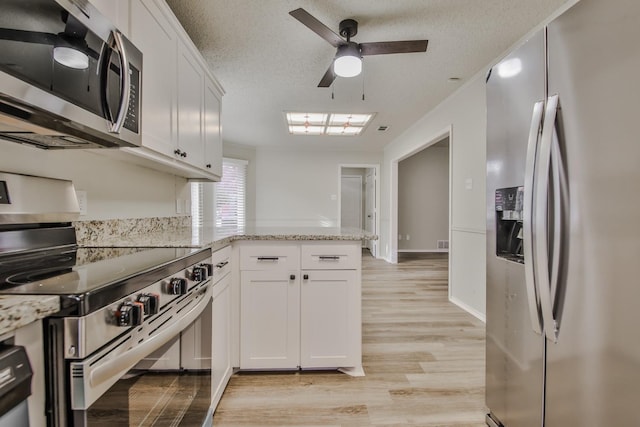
(81, 195)
(468, 184)
(179, 206)
(408, 237)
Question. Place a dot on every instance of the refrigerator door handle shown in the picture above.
(550, 161)
(527, 220)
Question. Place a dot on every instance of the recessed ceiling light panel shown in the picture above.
(333, 124)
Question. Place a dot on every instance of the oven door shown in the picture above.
(61, 64)
(102, 389)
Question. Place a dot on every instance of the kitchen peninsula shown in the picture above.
(293, 294)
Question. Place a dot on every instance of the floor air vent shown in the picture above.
(443, 244)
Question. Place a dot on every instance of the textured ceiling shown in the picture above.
(268, 62)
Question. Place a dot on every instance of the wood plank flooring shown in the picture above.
(423, 358)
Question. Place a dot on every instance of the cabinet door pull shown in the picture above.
(292, 277)
(305, 277)
(222, 264)
(268, 258)
(329, 258)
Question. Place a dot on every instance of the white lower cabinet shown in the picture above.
(221, 369)
(270, 319)
(327, 318)
(295, 317)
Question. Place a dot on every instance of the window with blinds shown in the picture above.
(229, 195)
(228, 198)
(197, 204)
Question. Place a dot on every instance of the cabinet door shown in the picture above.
(221, 341)
(328, 318)
(195, 348)
(117, 11)
(190, 94)
(269, 320)
(212, 130)
(152, 33)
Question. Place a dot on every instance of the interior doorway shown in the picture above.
(359, 196)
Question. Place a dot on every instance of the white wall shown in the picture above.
(300, 188)
(114, 189)
(423, 199)
(463, 115)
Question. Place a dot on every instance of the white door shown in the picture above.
(351, 201)
(370, 208)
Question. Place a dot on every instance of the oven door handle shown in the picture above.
(90, 381)
(128, 359)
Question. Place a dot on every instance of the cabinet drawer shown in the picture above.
(270, 257)
(331, 257)
(221, 260)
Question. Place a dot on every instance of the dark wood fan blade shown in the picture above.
(328, 77)
(382, 48)
(317, 27)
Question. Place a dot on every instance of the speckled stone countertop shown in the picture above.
(20, 310)
(215, 237)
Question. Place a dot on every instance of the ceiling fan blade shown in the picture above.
(381, 48)
(317, 27)
(328, 77)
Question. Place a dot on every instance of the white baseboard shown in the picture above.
(468, 309)
(423, 250)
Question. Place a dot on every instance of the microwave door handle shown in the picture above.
(103, 73)
(548, 279)
(125, 83)
(527, 220)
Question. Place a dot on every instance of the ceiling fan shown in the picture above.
(348, 59)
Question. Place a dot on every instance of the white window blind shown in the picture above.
(197, 204)
(229, 194)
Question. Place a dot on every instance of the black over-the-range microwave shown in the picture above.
(68, 77)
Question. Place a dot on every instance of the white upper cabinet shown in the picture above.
(190, 108)
(117, 11)
(181, 99)
(212, 129)
(153, 35)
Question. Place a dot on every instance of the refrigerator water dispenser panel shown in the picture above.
(508, 205)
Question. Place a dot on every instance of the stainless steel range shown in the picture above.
(118, 305)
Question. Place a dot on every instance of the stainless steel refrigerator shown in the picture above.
(563, 223)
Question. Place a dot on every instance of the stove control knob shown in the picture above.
(177, 286)
(150, 303)
(129, 314)
(208, 267)
(199, 273)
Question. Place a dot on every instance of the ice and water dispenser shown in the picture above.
(509, 233)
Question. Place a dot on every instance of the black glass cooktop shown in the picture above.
(89, 278)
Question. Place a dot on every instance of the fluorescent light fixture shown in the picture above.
(306, 130)
(348, 62)
(343, 130)
(333, 124)
(349, 119)
(306, 118)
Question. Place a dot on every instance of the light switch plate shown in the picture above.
(82, 201)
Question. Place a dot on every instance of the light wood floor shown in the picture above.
(423, 358)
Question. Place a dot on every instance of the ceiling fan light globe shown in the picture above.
(347, 66)
(70, 57)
